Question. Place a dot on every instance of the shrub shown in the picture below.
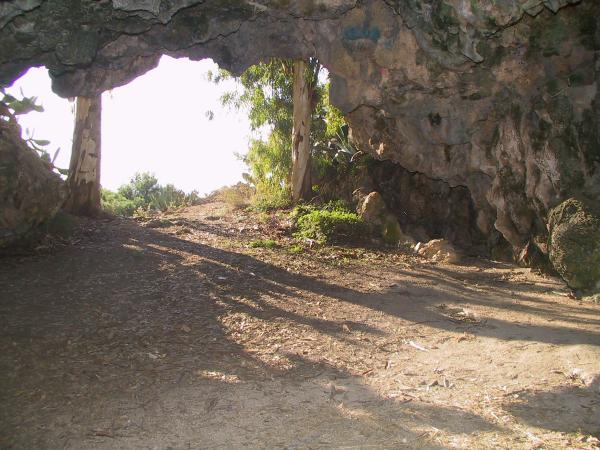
(143, 194)
(142, 186)
(167, 197)
(117, 204)
(331, 223)
(270, 195)
(296, 249)
(237, 196)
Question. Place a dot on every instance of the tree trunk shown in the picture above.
(301, 160)
(84, 169)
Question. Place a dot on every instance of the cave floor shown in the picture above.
(180, 335)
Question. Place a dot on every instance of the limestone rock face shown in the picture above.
(574, 245)
(428, 208)
(439, 250)
(372, 208)
(498, 98)
(29, 192)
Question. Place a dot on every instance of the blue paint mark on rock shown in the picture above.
(355, 33)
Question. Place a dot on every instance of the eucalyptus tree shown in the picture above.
(287, 97)
(84, 169)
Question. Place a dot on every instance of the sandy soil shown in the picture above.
(185, 337)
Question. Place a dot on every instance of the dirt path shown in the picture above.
(185, 337)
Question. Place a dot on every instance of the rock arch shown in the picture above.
(500, 97)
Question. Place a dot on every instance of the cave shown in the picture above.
(500, 99)
(482, 122)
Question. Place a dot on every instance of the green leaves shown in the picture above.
(266, 90)
(144, 193)
(10, 106)
(20, 106)
(333, 222)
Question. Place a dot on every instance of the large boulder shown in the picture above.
(372, 208)
(439, 250)
(30, 193)
(574, 245)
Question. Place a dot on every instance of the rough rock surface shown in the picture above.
(373, 210)
(428, 208)
(499, 98)
(439, 250)
(30, 193)
(574, 245)
(372, 207)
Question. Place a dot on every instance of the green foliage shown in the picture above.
(333, 222)
(19, 106)
(264, 243)
(269, 196)
(391, 231)
(267, 92)
(270, 163)
(168, 197)
(333, 205)
(117, 204)
(143, 186)
(143, 194)
(10, 107)
(296, 249)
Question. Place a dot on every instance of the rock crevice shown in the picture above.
(498, 97)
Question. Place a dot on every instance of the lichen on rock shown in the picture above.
(574, 245)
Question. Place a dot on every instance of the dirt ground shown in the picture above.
(180, 335)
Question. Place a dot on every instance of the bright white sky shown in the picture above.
(156, 123)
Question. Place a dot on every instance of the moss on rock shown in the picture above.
(574, 245)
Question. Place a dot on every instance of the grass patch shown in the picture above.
(264, 243)
(330, 223)
(296, 249)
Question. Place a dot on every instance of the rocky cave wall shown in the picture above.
(497, 97)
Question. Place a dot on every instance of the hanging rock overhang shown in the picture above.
(498, 96)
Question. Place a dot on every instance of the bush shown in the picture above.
(264, 243)
(331, 223)
(306, 208)
(574, 244)
(144, 194)
(117, 204)
(167, 197)
(270, 196)
(237, 196)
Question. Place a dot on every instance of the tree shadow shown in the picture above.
(144, 325)
(410, 299)
(560, 409)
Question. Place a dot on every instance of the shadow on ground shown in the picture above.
(137, 338)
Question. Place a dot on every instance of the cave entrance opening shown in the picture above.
(184, 127)
(169, 122)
